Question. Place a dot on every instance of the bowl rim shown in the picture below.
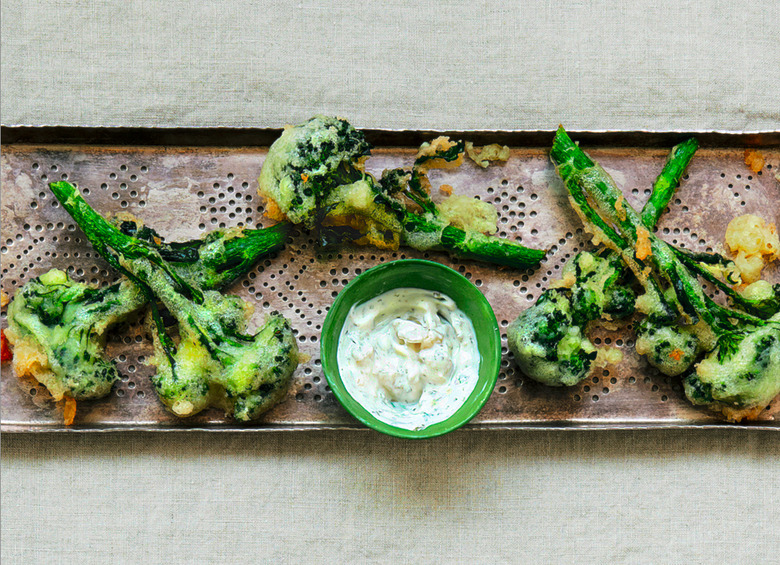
(476, 399)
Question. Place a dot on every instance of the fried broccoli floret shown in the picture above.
(216, 362)
(57, 328)
(742, 382)
(307, 162)
(314, 174)
(548, 346)
(739, 374)
(597, 289)
(549, 339)
(671, 349)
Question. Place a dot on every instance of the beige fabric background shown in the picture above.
(659, 64)
(471, 497)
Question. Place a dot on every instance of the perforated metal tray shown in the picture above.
(185, 182)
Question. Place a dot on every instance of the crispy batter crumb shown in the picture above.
(428, 149)
(469, 213)
(446, 189)
(607, 356)
(754, 160)
(643, 248)
(483, 156)
(754, 244)
(273, 212)
(4, 299)
(69, 412)
(569, 279)
(737, 415)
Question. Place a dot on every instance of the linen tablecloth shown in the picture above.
(470, 497)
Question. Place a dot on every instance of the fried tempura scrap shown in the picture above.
(754, 160)
(69, 411)
(483, 156)
(754, 242)
(643, 247)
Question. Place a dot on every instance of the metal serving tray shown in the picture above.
(186, 181)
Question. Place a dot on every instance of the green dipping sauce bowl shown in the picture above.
(428, 275)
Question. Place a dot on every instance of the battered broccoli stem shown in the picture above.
(595, 288)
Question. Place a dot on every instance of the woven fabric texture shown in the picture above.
(471, 497)
(397, 64)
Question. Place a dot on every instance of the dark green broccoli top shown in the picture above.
(63, 324)
(546, 343)
(307, 162)
(745, 379)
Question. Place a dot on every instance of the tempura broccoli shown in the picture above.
(548, 340)
(740, 374)
(548, 345)
(58, 327)
(314, 175)
(244, 374)
(739, 382)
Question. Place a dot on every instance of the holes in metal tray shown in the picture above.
(224, 205)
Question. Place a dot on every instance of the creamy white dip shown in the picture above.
(409, 356)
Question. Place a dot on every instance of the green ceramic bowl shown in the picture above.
(430, 276)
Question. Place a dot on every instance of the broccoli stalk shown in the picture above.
(668, 181)
(763, 304)
(216, 362)
(218, 259)
(741, 373)
(314, 174)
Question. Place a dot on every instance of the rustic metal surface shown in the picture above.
(183, 192)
